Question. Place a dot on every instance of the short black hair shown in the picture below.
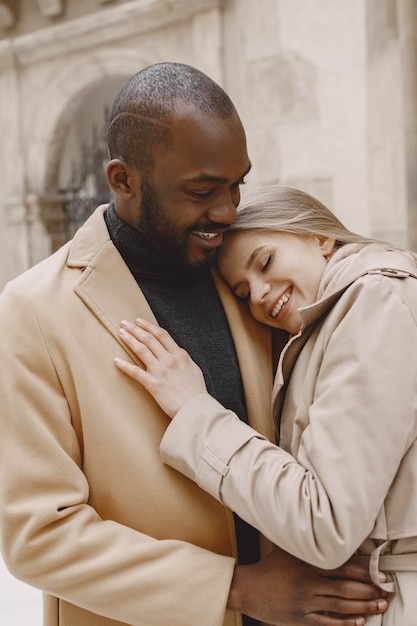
(140, 118)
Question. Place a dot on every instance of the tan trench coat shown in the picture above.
(89, 514)
(349, 416)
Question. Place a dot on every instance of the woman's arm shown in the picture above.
(361, 424)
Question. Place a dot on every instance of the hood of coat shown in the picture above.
(349, 263)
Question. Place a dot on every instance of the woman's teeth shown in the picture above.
(277, 308)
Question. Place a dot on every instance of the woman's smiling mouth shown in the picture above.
(283, 300)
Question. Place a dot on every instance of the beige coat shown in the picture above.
(349, 416)
(89, 514)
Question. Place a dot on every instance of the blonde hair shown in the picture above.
(293, 211)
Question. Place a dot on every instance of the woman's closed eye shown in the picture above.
(266, 263)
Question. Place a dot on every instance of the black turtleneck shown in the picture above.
(186, 303)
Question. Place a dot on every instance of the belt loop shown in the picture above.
(374, 568)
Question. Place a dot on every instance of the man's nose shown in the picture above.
(225, 210)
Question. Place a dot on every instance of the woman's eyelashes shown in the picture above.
(266, 263)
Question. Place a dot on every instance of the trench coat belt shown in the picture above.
(388, 563)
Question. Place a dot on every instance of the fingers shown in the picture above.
(155, 348)
(314, 619)
(352, 570)
(151, 334)
(338, 607)
(344, 601)
(354, 589)
(142, 351)
(146, 347)
(133, 371)
(320, 619)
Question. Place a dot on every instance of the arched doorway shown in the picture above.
(71, 111)
(81, 178)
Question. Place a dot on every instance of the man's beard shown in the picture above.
(168, 243)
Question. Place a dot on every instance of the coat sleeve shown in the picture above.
(360, 424)
(51, 537)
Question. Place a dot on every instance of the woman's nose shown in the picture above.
(259, 292)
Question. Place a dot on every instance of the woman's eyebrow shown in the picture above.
(253, 256)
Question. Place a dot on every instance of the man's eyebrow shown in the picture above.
(204, 178)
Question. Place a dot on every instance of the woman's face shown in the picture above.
(276, 272)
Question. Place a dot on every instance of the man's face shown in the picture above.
(192, 194)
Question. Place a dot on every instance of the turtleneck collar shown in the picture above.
(140, 256)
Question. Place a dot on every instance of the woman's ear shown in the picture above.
(123, 179)
(327, 245)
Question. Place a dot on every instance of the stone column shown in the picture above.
(392, 115)
(13, 225)
(407, 11)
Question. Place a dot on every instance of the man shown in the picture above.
(89, 514)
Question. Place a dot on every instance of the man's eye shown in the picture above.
(202, 194)
(240, 182)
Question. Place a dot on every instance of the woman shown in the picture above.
(344, 477)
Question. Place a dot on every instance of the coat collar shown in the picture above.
(351, 263)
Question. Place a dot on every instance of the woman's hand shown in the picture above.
(170, 375)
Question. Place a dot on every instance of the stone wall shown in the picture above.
(326, 89)
(18, 17)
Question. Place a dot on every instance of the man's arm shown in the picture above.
(285, 591)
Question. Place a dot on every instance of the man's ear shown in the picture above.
(123, 179)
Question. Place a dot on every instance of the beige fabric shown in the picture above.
(349, 416)
(89, 513)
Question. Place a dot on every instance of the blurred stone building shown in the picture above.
(327, 90)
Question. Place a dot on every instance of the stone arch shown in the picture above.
(50, 121)
(58, 104)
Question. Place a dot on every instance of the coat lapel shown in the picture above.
(106, 285)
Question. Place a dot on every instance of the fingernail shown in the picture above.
(382, 577)
(382, 605)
